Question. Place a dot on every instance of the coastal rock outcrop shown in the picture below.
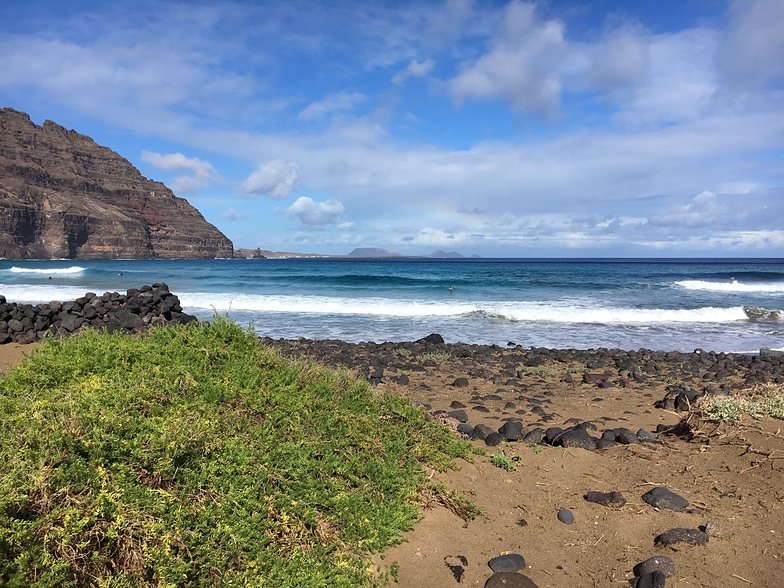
(64, 196)
(133, 311)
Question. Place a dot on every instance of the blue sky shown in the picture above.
(517, 129)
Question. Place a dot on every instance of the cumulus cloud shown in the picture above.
(316, 214)
(522, 66)
(417, 69)
(339, 102)
(276, 179)
(202, 173)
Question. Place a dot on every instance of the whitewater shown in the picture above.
(717, 305)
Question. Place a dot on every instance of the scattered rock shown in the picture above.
(511, 562)
(566, 516)
(612, 499)
(661, 497)
(512, 430)
(681, 535)
(660, 563)
(713, 529)
(494, 439)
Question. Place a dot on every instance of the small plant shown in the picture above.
(394, 570)
(536, 447)
(437, 356)
(401, 352)
(503, 462)
(767, 400)
(459, 504)
(541, 372)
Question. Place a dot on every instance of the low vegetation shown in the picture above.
(767, 400)
(192, 456)
(437, 357)
(505, 463)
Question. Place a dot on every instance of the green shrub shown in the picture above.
(193, 456)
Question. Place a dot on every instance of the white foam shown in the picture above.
(29, 294)
(733, 286)
(513, 311)
(74, 269)
(224, 302)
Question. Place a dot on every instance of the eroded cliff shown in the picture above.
(63, 195)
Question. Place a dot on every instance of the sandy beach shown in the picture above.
(731, 475)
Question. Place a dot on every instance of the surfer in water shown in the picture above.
(451, 290)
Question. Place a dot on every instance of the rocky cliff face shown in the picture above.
(63, 195)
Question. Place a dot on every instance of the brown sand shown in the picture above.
(733, 475)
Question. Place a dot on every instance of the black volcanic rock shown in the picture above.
(64, 196)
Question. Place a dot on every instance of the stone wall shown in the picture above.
(130, 312)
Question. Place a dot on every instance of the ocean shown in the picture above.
(662, 304)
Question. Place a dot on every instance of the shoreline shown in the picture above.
(729, 474)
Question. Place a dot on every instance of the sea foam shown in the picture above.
(733, 286)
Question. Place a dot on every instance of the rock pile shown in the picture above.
(111, 311)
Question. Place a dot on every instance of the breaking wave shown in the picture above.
(509, 311)
(732, 286)
(74, 269)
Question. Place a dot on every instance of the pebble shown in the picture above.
(660, 563)
(681, 535)
(509, 580)
(713, 529)
(661, 497)
(612, 499)
(510, 562)
(566, 516)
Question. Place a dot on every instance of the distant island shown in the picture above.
(360, 252)
(64, 196)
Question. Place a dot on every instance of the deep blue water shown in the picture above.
(720, 305)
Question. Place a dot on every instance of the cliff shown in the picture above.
(64, 196)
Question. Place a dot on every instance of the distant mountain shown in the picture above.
(373, 252)
(64, 196)
(446, 254)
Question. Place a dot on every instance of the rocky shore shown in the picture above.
(133, 311)
(590, 469)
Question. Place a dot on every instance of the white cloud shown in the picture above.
(276, 179)
(522, 66)
(202, 172)
(417, 69)
(333, 103)
(618, 62)
(750, 54)
(313, 213)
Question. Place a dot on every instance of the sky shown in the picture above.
(560, 128)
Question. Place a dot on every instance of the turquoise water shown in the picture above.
(719, 305)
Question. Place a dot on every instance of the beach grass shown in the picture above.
(193, 456)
